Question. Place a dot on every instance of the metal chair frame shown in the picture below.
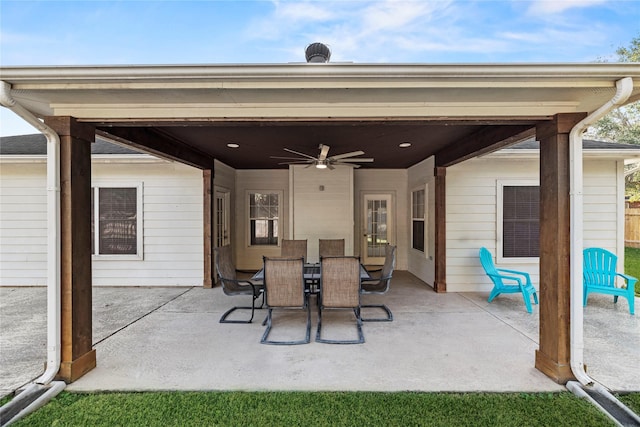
(381, 285)
(336, 272)
(232, 286)
(289, 294)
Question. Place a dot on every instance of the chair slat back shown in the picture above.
(599, 267)
(294, 248)
(331, 247)
(486, 259)
(340, 282)
(284, 282)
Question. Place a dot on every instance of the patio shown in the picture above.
(170, 339)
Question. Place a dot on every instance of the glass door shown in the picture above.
(222, 218)
(377, 219)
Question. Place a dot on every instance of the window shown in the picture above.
(263, 218)
(417, 219)
(116, 221)
(520, 221)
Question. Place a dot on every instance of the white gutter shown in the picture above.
(624, 88)
(53, 233)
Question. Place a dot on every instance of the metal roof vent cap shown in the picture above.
(317, 53)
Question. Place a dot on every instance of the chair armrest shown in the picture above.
(631, 281)
(521, 273)
(507, 277)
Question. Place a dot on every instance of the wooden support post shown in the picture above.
(77, 355)
(440, 282)
(553, 357)
(207, 194)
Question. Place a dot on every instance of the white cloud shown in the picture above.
(546, 7)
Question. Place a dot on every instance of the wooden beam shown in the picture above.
(440, 282)
(208, 211)
(486, 140)
(553, 357)
(161, 145)
(77, 355)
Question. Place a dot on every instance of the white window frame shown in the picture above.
(500, 184)
(139, 223)
(425, 243)
(247, 199)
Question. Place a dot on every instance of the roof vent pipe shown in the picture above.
(317, 53)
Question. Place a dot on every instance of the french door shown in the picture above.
(378, 230)
(222, 218)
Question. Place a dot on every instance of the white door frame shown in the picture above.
(377, 259)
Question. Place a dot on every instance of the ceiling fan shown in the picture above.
(323, 160)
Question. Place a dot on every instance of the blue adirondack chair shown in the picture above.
(499, 275)
(599, 275)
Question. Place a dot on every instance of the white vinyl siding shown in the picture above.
(23, 224)
(472, 212)
(172, 225)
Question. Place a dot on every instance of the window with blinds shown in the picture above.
(263, 218)
(115, 211)
(521, 221)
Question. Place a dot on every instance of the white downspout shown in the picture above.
(624, 88)
(53, 232)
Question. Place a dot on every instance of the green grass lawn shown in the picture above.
(316, 409)
(632, 265)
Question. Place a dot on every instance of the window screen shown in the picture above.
(521, 221)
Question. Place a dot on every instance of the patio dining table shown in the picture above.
(311, 274)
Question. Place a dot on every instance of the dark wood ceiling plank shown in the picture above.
(153, 142)
(484, 141)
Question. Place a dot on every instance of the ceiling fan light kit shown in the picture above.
(323, 160)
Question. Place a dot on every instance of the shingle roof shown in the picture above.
(36, 144)
(587, 144)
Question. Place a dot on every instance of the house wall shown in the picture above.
(23, 224)
(384, 181)
(422, 264)
(323, 206)
(250, 257)
(472, 212)
(172, 225)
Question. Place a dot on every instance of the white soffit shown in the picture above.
(289, 91)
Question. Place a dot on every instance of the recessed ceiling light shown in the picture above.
(233, 145)
(405, 145)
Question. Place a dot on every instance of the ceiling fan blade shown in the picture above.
(363, 160)
(324, 150)
(351, 154)
(290, 158)
(300, 154)
(299, 162)
(330, 166)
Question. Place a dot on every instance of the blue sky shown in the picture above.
(200, 32)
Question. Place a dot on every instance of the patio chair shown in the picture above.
(294, 249)
(284, 289)
(380, 284)
(500, 275)
(599, 275)
(232, 286)
(330, 247)
(340, 289)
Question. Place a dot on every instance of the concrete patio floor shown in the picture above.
(170, 339)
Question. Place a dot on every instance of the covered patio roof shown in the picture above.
(191, 112)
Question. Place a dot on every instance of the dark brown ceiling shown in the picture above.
(259, 141)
